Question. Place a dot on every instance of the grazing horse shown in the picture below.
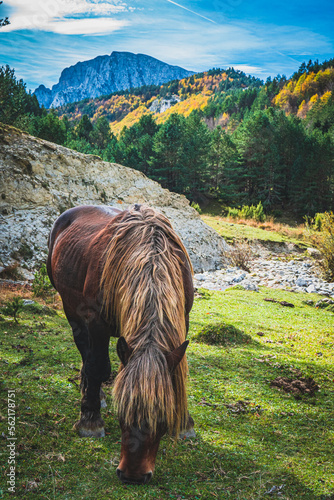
(127, 274)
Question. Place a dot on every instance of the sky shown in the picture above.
(261, 37)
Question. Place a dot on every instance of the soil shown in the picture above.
(297, 386)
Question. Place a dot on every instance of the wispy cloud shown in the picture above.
(66, 16)
(192, 11)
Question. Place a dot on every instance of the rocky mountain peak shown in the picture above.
(106, 74)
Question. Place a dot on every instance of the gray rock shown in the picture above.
(39, 180)
(239, 278)
(250, 286)
(313, 252)
(301, 282)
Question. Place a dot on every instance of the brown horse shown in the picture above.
(127, 274)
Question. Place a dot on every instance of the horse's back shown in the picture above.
(88, 215)
(72, 250)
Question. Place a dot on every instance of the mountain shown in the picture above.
(106, 74)
(124, 108)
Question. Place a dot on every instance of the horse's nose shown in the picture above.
(128, 480)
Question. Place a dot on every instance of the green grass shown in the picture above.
(241, 450)
(234, 230)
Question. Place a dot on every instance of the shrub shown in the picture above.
(202, 293)
(13, 307)
(196, 207)
(325, 244)
(240, 255)
(222, 334)
(41, 285)
(248, 212)
(317, 223)
(233, 212)
(258, 213)
(11, 272)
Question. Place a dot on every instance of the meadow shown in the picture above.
(254, 440)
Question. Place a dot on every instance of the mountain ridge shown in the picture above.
(106, 74)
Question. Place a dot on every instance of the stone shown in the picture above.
(239, 278)
(313, 252)
(250, 286)
(39, 180)
(301, 282)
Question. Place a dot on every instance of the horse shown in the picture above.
(126, 274)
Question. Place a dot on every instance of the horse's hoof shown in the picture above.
(97, 433)
(86, 428)
(187, 434)
(103, 403)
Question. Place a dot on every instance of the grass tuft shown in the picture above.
(222, 334)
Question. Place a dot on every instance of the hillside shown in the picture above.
(106, 74)
(181, 96)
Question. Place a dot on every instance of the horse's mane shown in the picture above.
(143, 292)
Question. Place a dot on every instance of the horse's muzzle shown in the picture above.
(128, 480)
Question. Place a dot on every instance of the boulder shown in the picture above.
(39, 180)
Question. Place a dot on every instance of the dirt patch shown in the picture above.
(244, 407)
(297, 387)
(282, 302)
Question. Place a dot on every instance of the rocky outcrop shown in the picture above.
(161, 105)
(106, 74)
(39, 180)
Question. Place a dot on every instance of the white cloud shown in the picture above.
(61, 16)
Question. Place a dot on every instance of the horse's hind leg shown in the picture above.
(95, 370)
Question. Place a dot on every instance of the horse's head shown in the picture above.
(152, 410)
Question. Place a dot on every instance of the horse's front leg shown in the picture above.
(95, 370)
(189, 431)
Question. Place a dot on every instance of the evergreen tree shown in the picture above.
(223, 167)
(84, 128)
(4, 21)
(99, 136)
(259, 180)
(14, 99)
(195, 173)
(169, 158)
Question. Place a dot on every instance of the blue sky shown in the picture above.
(261, 37)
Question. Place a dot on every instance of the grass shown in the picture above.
(264, 232)
(250, 436)
(251, 230)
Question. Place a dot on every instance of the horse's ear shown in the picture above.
(174, 357)
(123, 350)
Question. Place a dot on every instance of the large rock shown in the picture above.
(106, 74)
(39, 180)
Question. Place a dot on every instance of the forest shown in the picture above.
(246, 141)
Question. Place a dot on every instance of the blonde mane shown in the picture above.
(143, 291)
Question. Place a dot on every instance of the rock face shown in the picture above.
(106, 74)
(161, 105)
(39, 180)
